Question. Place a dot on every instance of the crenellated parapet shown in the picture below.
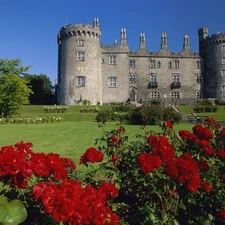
(80, 29)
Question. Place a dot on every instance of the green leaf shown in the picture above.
(182, 206)
(3, 200)
(12, 213)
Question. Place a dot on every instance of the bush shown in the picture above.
(153, 114)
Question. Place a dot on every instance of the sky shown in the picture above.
(29, 28)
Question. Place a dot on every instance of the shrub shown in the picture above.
(153, 114)
(55, 109)
(167, 178)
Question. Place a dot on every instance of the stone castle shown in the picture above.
(88, 70)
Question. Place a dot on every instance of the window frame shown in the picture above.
(154, 94)
(112, 82)
(198, 78)
(80, 42)
(174, 94)
(132, 78)
(223, 88)
(198, 95)
(153, 77)
(112, 60)
(80, 56)
(80, 81)
(222, 73)
(152, 63)
(132, 63)
(176, 64)
(223, 48)
(223, 60)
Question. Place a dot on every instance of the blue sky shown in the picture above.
(28, 28)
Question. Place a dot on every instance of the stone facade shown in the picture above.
(88, 70)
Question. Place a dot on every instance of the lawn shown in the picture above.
(75, 134)
(70, 139)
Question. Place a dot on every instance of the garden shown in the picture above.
(111, 172)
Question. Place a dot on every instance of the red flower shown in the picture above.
(109, 189)
(203, 143)
(115, 157)
(202, 132)
(91, 155)
(153, 140)
(205, 186)
(114, 139)
(193, 184)
(222, 214)
(203, 166)
(221, 153)
(208, 151)
(148, 162)
(187, 135)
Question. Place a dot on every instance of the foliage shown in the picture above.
(204, 102)
(56, 109)
(36, 120)
(89, 110)
(42, 89)
(109, 115)
(13, 88)
(166, 178)
(207, 108)
(122, 108)
(153, 114)
(40, 188)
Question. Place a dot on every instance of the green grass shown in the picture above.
(76, 133)
(219, 115)
(70, 139)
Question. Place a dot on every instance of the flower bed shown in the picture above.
(167, 178)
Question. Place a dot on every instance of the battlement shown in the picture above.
(80, 30)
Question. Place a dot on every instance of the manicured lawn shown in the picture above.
(70, 139)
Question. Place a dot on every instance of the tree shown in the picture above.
(42, 89)
(14, 91)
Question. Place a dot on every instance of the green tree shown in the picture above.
(14, 91)
(42, 89)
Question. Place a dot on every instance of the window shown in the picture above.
(132, 78)
(80, 56)
(170, 65)
(80, 42)
(176, 77)
(80, 81)
(222, 72)
(198, 94)
(223, 48)
(159, 64)
(112, 82)
(132, 63)
(152, 63)
(176, 64)
(175, 94)
(155, 94)
(153, 77)
(198, 65)
(198, 78)
(223, 60)
(112, 59)
(223, 87)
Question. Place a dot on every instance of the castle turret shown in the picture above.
(79, 64)
(212, 50)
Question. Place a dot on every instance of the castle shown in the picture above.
(88, 70)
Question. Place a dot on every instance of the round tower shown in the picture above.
(212, 51)
(79, 64)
